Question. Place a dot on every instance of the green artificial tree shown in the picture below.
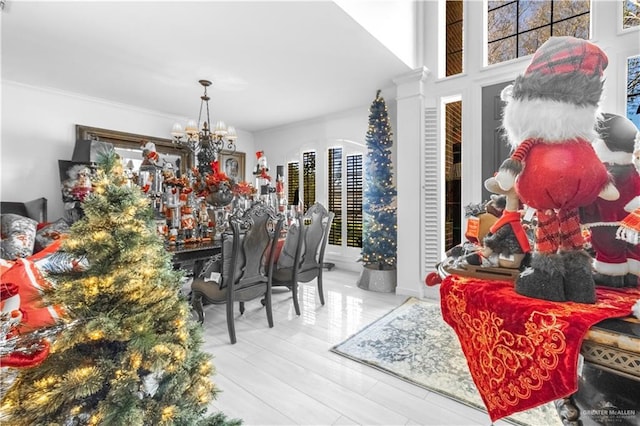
(130, 353)
(379, 201)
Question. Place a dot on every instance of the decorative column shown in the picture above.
(409, 132)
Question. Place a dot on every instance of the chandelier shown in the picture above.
(200, 138)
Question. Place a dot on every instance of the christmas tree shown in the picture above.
(379, 208)
(130, 353)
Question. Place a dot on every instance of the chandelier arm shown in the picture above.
(204, 142)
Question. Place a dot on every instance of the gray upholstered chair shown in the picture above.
(302, 256)
(246, 265)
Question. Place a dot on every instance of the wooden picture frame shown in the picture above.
(233, 164)
(130, 144)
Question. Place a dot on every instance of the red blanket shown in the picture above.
(522, 352)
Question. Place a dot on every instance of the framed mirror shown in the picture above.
(129, 147)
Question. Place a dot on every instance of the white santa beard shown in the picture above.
(551, 121)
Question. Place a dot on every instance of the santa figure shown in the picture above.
(617, 262)
(550, 119)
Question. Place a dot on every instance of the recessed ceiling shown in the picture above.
(271, 63)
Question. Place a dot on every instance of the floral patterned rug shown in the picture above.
(413, 343)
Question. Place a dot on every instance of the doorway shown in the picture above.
(495, 147)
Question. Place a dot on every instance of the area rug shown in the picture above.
(413, 343)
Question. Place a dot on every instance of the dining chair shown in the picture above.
(246, 265)
(302, 256)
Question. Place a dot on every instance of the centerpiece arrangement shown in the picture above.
(193, 206)
(215, 187)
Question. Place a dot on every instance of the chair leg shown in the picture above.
(230, 323)
(267, 300)
(320, 289)
(196, 303)
(294, 295)
(241, 308)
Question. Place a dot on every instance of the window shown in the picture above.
(454, 37)
(308, 178)
(293, 182)
(348, 217)
(633, 90)
(335, 194)
(453, 173)
(354, 200)
(518, 28)
(630, 13)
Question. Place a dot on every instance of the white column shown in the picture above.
(409, 137)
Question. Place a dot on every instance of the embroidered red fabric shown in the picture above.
(522, 352)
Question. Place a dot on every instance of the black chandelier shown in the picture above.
(200, 138)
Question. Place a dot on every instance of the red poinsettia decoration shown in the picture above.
(243, 189)
(216, 187)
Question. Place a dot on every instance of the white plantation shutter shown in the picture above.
(430, 248)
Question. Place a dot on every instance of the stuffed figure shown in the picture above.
(550, 121)
(262, 168)
(507, 244)
(150, 156)
(617, 262)
(481, 217)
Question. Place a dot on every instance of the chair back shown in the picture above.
(293, 246)
(253, 238)
(315, 225)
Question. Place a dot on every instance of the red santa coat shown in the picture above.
(560, 175)
(605, 216)
(627, 182)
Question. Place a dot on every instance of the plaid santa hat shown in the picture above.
(564, 69)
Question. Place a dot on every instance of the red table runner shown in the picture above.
(522, 352)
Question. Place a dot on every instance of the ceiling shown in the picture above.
(271, 63)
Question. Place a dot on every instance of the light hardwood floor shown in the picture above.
(286, 375)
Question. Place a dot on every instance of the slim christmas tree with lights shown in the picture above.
(130, 353)
(379, 206)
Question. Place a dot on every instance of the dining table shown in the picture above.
(192, 256)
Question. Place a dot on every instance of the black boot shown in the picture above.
(578, 280)
(543, 279)
(631, 280)
(616, 281)
(474, 259)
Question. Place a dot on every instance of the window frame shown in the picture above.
(517, 34)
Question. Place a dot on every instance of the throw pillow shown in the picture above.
(18, 236)
(49, 233)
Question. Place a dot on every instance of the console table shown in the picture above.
(613, 347)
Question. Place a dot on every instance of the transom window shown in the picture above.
(630, 13)
(518, 28)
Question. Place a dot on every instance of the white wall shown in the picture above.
(38, 129)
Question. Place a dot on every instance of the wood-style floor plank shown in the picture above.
(287, 375)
